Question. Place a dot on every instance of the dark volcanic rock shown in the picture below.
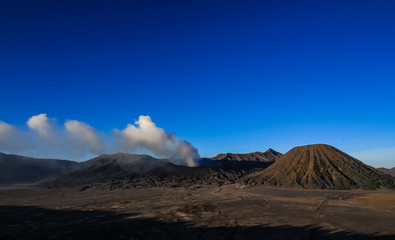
(320, 166)
(15, 169)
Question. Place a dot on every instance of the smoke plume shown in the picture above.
(78, 139)
(146, 135)
(84, 136)
(10, 138)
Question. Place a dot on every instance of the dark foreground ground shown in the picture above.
(228, 212)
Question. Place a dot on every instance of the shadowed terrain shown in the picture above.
(41, 223)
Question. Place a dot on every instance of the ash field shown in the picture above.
(310, 192)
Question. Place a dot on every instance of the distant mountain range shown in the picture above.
(237, 161)
(124, 169)
(269, 156)
(312, 166)
(390, 171)
(132, 170)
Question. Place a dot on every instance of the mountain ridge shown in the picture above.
(267, 156)
(124, 170)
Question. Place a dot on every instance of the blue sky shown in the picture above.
(227, 76)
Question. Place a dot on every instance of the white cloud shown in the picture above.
(39, 123)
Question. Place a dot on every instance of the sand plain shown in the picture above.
(196, 212)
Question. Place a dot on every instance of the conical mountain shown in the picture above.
(320, 166)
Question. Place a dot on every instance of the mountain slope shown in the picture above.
(320, 166)
(15, 169)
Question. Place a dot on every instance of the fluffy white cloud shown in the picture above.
(39, 123)
(84, 136)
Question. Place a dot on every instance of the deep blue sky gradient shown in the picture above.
(228, 76)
